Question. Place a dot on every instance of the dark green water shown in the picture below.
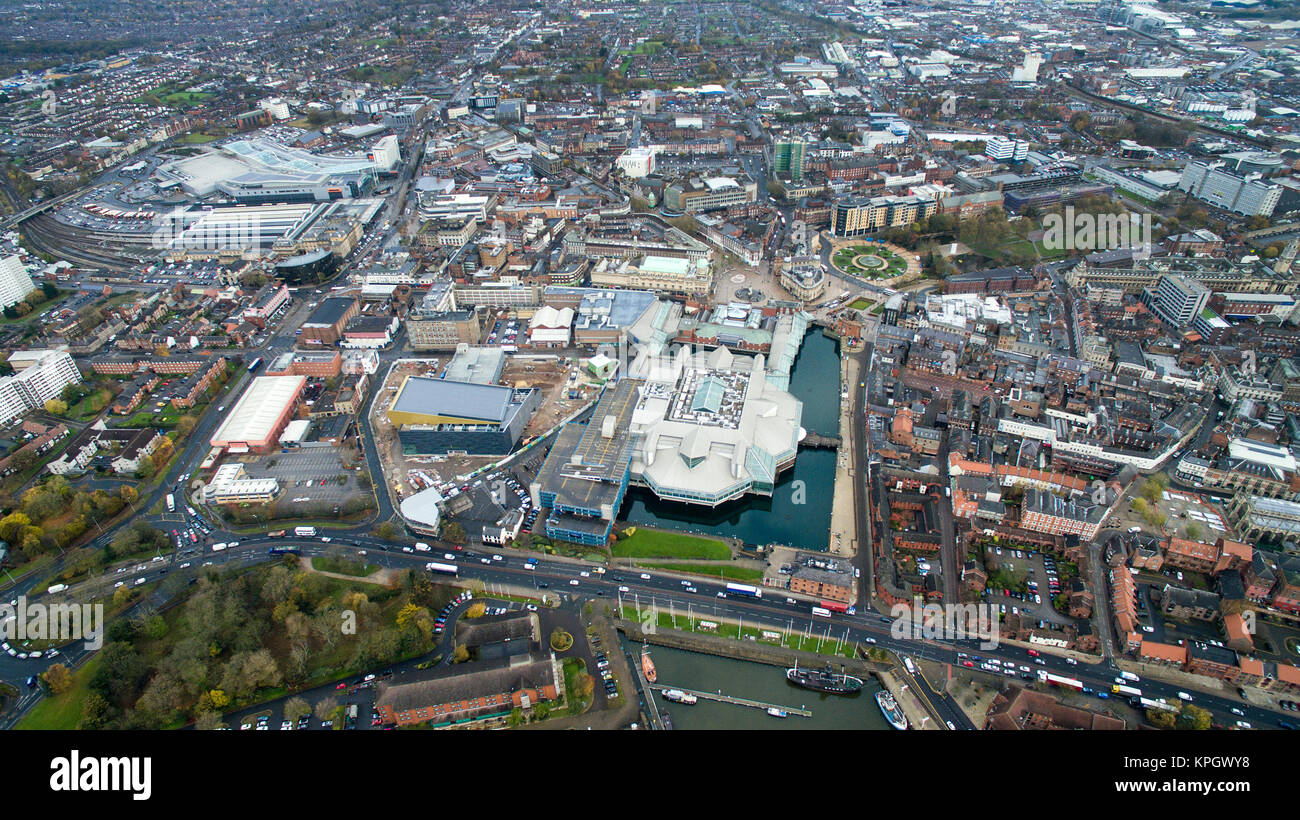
(799, 511)
(756, 681)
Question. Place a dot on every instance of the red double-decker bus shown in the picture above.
(835, 606)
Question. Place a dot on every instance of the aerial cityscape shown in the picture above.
(896, 365)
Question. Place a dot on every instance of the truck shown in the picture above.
(276, 534)
(304, 531)
(171, 503)
(57, 588)
(1130, 676)
(745, 589)
(218, 547)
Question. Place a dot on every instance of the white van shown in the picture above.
(422, 547)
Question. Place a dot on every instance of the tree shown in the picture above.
(56, 407)
(1194, 718)
(460, 654)
(326, 707)
(584, 685)
(296, 708)
(1161, 718)
(385, 531)
(453, 532)
(58, 679)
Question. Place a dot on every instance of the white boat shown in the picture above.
(777, 712)
(889, 708)
(678, 696)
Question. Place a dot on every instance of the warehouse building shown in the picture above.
(441, 416)
(261, 414)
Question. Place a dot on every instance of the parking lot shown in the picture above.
(1024, 582)
(312, 479)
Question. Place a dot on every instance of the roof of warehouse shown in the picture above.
(440, 397)
(254, 416)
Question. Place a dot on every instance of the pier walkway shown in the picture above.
(721, 698)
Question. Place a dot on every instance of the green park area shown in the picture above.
(823, 643)
(639, 542)
(870, 261)
(239, 638)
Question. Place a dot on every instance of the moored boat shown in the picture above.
(775, 711)
(891, 710)
(678, 696)
(648, 665)
(824, 680)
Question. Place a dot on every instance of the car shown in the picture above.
(1241, 724)
(342, 685)
(645, 576)
(485, 560)
(530, 607)
(1237, 711)
(585, 574)
(573, 582)
(968, 664)
(722, 594)
(1040, 661)
(1071, 661)
(497, 558)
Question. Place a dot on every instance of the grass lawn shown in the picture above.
(646, 543)
(819, 643)
(573, 669)
(63, 711)
(33, 565)
(861, 304)
(343, 566)
(196, 139)
(730, 573)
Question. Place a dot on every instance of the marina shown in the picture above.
(700, 674)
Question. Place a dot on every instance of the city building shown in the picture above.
(31, 387)
(443, 330)
(1213, 183)
(1178, 299)
(15, 283)
(254, 424)
(436, 416)
(231, 484)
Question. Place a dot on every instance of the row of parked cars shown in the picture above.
(602, 665)
(441, 622)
